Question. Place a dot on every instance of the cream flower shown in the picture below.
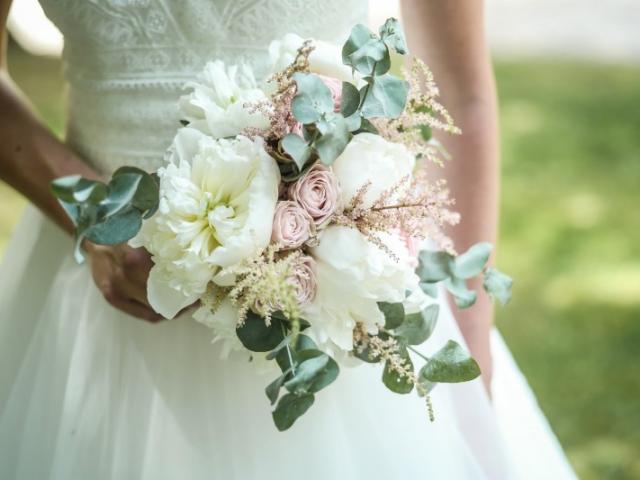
(217, 104)
(353, 275)
(371, 158)
(325, 59)
(217, 199)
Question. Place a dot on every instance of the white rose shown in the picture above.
(325, 59)
(353, 275)
(217, 199)
(371, 158)
(217, 104)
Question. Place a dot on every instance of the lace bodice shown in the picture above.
(126, 61)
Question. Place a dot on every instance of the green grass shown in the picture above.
(570, 236)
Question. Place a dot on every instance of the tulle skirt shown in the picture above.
(87, 392)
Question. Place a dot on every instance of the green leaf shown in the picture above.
(385, 96)
(498, 285)
(257, 336)
(393, 381)
(122, 190)
(451, 364)
(147, 195)
(368, 127)
(418, 327)
(74, 188)
(430, 289)
(434, 266)
(290, 408)
(273, 389)
(463, 297)
(393, 314)
(426, 132)
(393, 35)
(359, 37)
(471, 263)
(350, 99)
(354, 122)
(373, 56)
(313, 98)
(334, 139)
(297, 149)
(315, 371)
(117, 228)
(302, 343)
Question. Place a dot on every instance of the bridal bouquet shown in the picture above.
(291, 213)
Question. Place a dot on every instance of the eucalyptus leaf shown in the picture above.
(273, 389)
(350, 99)
(430, 289)
(393, 314)
(450, 364)
(473, 261)
(358, 37)
(302, 343)
(368, 127)
(372, 57)
(393, 381)
(498, 285)
(122, 190)
(313, 98)
(385, 96)
(147, 195)
(334, 139)
(290, 408)
(393, 35)
(315, 371)
(418, 327)
(76, 189)
(297, 149)
(434, 266)
(463, 297)
(257, 336)
(115, 229)
(354, 122)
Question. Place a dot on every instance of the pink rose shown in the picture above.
(304, 278)
(318, 192)
(292, 225)
(335, 86)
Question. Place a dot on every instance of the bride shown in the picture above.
(95, 385)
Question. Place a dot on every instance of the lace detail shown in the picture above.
(127, 60)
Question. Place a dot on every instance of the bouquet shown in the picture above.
(296, 217)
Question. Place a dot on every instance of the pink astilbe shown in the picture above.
(423, 111)
(414, 207)
(278, 108)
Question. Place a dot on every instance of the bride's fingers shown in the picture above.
(136, 309)
(136, 265)
(134, 290)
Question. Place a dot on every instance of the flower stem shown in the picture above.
(425, 358)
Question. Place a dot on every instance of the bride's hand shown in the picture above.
(120, 273)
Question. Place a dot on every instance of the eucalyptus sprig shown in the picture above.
(326, 133)
(107, 214)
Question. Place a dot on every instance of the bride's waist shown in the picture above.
(114, 127)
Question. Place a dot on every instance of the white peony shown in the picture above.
(325, 59)
(217, 104)
(217, 199)
(371, 158)
(353, 275)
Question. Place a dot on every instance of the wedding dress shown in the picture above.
(87, 392)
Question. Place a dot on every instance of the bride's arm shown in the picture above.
(449, 37)
(30, 158)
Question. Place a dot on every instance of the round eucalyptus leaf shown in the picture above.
(334, 139)
(393, 35)
(290, 408)
(147, 195)
(473, 261)
(302, 343)
(114, 229)
(385, 96)
(498, 285)
(450, 364)
(350, 99)
(371, 57)
(463, 297)
(434, 266)
(257, 336)
(393, 314)
(297, 148)
(273, 389)
(418, 327)
(122, 190)
(315, 371)
(313, 98)
(359, 36)
(393, 381)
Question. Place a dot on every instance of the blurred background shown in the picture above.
(568, 75)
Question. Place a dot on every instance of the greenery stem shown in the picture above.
(425, 358)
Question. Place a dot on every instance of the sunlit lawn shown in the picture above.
(570, 236)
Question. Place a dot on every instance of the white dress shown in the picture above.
(87, 392)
